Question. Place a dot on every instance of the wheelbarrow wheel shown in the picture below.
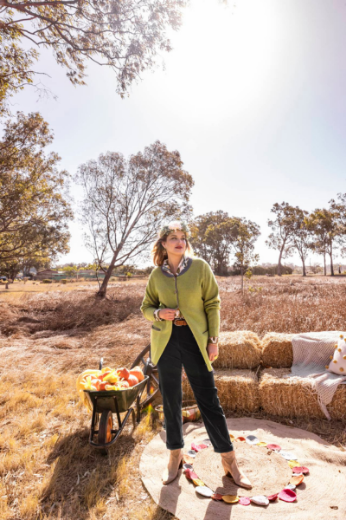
(105, 428)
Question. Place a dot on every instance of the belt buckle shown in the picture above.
(178, 320)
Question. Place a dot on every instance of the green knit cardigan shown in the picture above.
(197, 298)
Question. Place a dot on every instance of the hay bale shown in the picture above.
(338, 405)
(238, 349)
(277, 350)
(237, 390)
(296, 396)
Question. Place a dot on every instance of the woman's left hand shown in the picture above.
(213, 351)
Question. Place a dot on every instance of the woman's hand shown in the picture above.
(213, 351)
(167, 314)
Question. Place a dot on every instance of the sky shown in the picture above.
(252, 96)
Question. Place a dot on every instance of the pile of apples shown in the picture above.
(110, 379)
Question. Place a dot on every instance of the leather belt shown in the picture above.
(179, 322)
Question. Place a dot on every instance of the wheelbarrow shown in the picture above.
(105, 403)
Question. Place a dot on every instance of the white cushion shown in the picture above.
(337, 363)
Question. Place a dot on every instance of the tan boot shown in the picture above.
(231, 468)
(175, 462)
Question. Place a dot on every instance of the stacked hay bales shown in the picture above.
(277, 350)
(237, 390)
(242, 356)
(288, 397)
(237, 384)
(296, 397)
(239, 349)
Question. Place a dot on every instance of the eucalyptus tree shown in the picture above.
(125, 35)
(282, 236)
(212, 235)
(303, 234)
(247, 232)
(125, 202)
(327, 229)
(34, 203)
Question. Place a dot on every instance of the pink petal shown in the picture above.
(287, 495)
(300, 469)
(244, 501)
(273, 447)
(190, 474)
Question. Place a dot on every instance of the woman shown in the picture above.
(182, 299)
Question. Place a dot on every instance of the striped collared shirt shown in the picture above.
(165, 267)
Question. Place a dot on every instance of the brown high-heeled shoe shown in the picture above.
(231, 468)
(175, 462)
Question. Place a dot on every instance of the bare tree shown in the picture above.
(125, 202)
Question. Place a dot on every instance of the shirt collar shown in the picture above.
(182, 264)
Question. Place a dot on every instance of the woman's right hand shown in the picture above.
(167, 314)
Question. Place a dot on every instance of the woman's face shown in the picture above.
(175, 243)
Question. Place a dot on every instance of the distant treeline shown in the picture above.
(259, 270)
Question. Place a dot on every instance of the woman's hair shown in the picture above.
(159, 253)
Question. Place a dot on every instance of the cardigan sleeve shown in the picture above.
(150, 301)
(212, 301)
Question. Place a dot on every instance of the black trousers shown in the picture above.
(182, 350)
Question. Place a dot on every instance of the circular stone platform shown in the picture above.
(268, 471)
(322, 494)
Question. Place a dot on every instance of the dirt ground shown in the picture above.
(51, 333)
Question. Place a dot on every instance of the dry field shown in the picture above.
(49, 334)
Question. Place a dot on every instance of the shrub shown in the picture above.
(46, 280)
(63, 281)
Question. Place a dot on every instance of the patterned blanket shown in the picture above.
(311, 354)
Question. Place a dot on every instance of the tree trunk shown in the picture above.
(242, 276)
(304, 269)
(324, 264)
(103, 289)
(279, 262)
(331, 264)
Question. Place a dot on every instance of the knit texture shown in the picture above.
(197, 298)
(311, 353)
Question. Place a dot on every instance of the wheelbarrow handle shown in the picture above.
(101, 363)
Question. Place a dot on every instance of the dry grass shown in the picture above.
(238, 350)
(289, 304)
(48, 470)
